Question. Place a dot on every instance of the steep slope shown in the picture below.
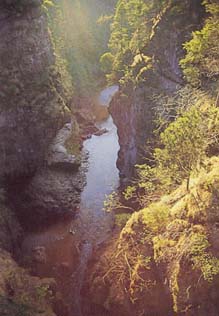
(150, 71)
(39, 176)
(165, 261)
(22, 294)
(34, 108)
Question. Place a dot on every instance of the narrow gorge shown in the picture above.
(109, 138)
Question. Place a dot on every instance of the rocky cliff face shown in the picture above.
(133, 107)
(40, 178)
(22, 294)
(32, 111)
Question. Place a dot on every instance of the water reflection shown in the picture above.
(102, 179)
(64, 249)
(106, 95)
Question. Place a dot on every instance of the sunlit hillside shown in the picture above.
(109, 144)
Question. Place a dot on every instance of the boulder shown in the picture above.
(58, 156)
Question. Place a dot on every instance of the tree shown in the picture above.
(106, 62)
(130, 31)
(201, 62)
(183, 145)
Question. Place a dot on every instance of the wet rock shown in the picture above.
(86, 122)
(101, 132)
(65, 268)
(25, 3)
(49, 195)
(10, 230)
(54, 190)
(39, 254)
(16, 284)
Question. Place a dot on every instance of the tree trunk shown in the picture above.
(217, 100)
(187, 184)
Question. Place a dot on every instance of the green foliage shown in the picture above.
(155, 217)
(160, 244)
(203, 260)
(145, 188)
(80, 40)
(121, 219)
(127, 33)
(183, 146)
(129, 17)
(9, 308)
(176, 230)
(176, 242)
(113, 203)
(201, 62)
(179, 242)
(106, 62)
(183, 143)
(47, 2)
(131, 31)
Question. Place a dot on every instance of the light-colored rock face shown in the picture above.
(107, 94)
(58, 156)
(134, 119)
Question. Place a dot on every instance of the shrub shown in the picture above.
(202, 51)
(106, 62)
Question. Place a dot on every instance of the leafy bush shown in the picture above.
(121, 219)
(80, 40)
(183, 146)
(106, 62)
(201, 62)
(130, 32)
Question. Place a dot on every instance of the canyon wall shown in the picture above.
(33, 108)
(133, 108)
(40, 176)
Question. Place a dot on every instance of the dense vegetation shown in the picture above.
(80, 33)
(187, 122)
(131, 31)
(174, 228)
(167, 248)
(200, 64)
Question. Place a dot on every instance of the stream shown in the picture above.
(62, 251)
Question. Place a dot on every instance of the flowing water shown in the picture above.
(63, 250)
(102, 178)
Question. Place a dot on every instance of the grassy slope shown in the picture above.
(167, 251)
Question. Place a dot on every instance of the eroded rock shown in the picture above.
(58, 156)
